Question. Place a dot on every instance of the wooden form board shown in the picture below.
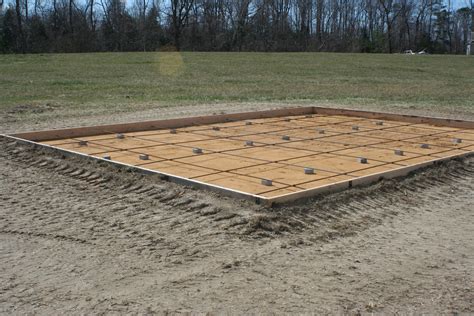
(236, 153)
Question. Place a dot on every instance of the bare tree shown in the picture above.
(319, 20)
(141, 8)
(404, 20)
(239, 14)
(91, 15)
(391, 10)
(470, 35)
(179, 13)
(70, 14)
(114, 24)
(304, 16)
(21, 36)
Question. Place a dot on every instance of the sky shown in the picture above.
(461, 3)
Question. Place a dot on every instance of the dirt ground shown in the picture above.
(83, 238)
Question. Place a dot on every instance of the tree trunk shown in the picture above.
(319, 20)
(91, 17)
(26, 10)
(389, 35)
(21, 36)
(144, 29)
(70, 15)
(469, 38)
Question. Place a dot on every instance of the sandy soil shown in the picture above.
(81, 237)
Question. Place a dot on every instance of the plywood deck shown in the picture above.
(282, 148)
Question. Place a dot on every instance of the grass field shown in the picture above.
(138, 80)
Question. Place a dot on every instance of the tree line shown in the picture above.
(371, 26)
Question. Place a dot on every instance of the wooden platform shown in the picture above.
(236, 153)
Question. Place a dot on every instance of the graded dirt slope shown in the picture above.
(84, 238)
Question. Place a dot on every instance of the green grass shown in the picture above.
(136, 80)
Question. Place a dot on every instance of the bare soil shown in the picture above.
(81, 237)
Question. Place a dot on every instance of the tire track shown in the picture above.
(125, 194)
(359, 208)
(131, 208)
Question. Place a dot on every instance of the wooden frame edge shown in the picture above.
(437, 121)
(158, 124)
(290, 197)
(164, 176)
(222, 118)
(362, 181)
(31, 138)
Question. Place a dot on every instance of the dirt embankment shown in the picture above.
(82, 237)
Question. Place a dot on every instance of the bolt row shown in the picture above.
(269, 182)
